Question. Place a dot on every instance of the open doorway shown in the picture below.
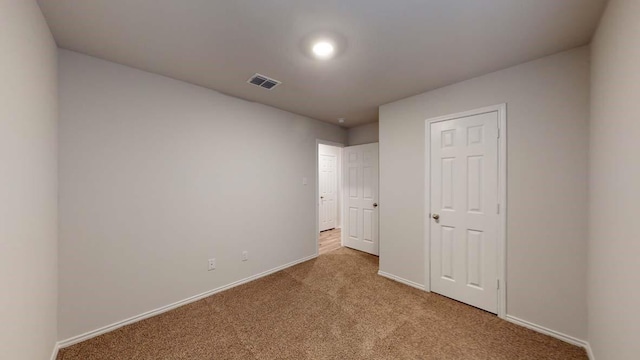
(329, 196)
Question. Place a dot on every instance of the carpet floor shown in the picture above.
(332, 307)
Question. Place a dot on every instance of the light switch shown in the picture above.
(304, 181)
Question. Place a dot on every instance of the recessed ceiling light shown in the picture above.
(341, 120)
(323, 49)
(323, 45)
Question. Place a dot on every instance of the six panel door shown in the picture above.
(464, 209)
(328, 186)
(360, 228)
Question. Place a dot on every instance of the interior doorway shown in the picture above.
(329, 196)
(465, 195)
(347, 197)
(328, 165)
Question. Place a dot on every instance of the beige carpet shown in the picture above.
(333, 307)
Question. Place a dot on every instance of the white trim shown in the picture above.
(54, 354)
(554, 334)
(501, 109)
(502, 203)
(589, 351)
(401, 280)
(317, 181)
(160, 310)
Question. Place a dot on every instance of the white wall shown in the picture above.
(28, 183)
(614, 241)
(363, 134)
(157, 176)
(547, 115)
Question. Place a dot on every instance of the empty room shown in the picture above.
(297, 179)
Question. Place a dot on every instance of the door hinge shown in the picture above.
(498, 132)
(498, 284)
(498, 209)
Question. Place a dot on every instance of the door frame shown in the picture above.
(317, 192)
(501, 109)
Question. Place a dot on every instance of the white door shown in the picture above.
(464, 209)
(360, 228)
(328, 185)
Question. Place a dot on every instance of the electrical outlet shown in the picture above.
(212, 264)
(245, 255)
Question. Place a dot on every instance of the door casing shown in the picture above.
(501, 109)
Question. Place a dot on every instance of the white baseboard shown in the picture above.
(589, 351)
(555, 334)
(91, 334)
(401, 280)
(54, 353)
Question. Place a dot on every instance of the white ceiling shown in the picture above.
(393, 48)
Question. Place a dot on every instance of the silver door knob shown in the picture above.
(375, 205)
(435, 216)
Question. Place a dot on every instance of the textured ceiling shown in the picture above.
(389, 49)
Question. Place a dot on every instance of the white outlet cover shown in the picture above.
(245, 255)
(212, 264)
(305, 181)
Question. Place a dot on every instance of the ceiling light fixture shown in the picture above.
(341, 120)
(323, 45)
(323, 49)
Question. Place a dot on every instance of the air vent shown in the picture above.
(264, 82)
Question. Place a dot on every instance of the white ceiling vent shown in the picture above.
(264, 82)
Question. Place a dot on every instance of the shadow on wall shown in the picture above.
(363, 134)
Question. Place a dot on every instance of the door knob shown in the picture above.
(435, 216)
(321, 197)
(375, 205)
